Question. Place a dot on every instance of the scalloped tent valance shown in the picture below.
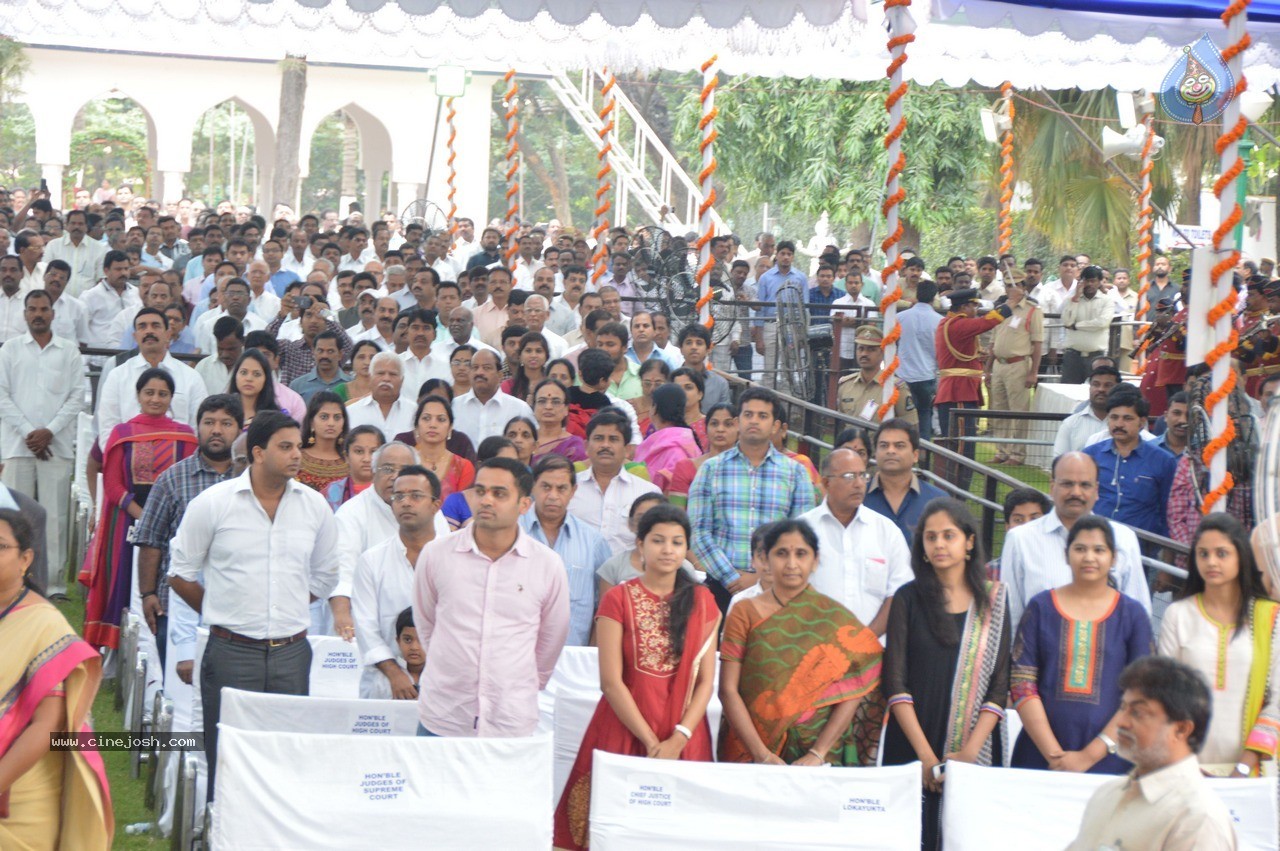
(718, 14)
(1059, 45)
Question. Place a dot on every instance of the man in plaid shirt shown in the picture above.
(218, 423)
(296, 356)
(741, 489)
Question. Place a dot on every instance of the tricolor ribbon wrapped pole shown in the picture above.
(1228, 256)
(1006, 175)
(511, 103)
(901, 33)
(450, 121)
(604, 187)
(1144, 219)
(707, 126)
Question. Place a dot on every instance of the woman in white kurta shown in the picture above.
(1224, 627)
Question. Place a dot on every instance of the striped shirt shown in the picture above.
(729, 498)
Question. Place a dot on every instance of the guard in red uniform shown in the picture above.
(1161, 330)
(1171, 370)
(1259, 350)
(960, 366)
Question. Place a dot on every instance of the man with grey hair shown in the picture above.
(385, 407)
(1165, 801)
(462, 332)
(536, 313)
(366, 520)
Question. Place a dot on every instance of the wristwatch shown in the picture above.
(1112, 747)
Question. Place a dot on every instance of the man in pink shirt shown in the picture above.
(491, 606)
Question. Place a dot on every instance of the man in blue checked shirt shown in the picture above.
(745, 487)
(765, 334)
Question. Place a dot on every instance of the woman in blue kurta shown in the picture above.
(1071, 646)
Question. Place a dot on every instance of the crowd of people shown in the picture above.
(463, 461)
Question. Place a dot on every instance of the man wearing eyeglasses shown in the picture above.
(863, 558)
(383, 583)
(364, 521)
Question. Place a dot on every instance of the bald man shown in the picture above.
(1035, 554)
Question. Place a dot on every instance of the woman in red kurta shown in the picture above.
(657, 639)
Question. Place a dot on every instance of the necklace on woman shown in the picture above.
(779, 599)
(16, 600)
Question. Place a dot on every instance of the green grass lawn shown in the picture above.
(127, 796)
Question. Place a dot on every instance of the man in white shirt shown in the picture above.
(527, 262)
(235, 303)
(69, 320)
(564, 307)
(250, 554)
(1053, 294)
(423, 359)
(383, 585)
(385, 311)
(29, 246)
(82, 254)
(41, 396)
(535, 319)
(111, 295)
(215, 370)
(605, 489)
(465, 244)
(1075, 432)
(365, 520)
(12, 308)
(462, 332)
(298, 259)
(485, 410)
(863, 558)
(358, 251)
(1086, 317)
(385, 408)
(118, 396)
(263, 299)
(1034, 558)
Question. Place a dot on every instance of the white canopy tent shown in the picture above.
(956, 40)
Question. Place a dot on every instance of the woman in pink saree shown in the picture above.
(48, 679)
(135, 454)
(672, 441)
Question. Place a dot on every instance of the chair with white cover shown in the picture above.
(309, 790)
(287, 713)
(639, 804)
(986, 807)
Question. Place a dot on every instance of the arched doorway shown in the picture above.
(232, 151)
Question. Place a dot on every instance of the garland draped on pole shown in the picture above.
(511, 102)
(600, 260)
(449, 118)
(1006, 174)
(1144, 225)
(1220, 315)
(707, 125)
(901, 29)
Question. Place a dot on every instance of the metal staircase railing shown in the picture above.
(648, 173)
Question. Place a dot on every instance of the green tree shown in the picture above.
(813, 145)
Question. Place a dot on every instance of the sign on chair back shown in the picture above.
(307, 790)
(643, 804)
(286, 713)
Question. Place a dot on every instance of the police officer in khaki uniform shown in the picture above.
(861, 394)
(1011, 372)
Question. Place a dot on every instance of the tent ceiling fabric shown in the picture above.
(719, 14)
(1057, 44)
(1024, 43)
(765, 37)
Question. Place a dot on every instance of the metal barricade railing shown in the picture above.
(818, 427)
